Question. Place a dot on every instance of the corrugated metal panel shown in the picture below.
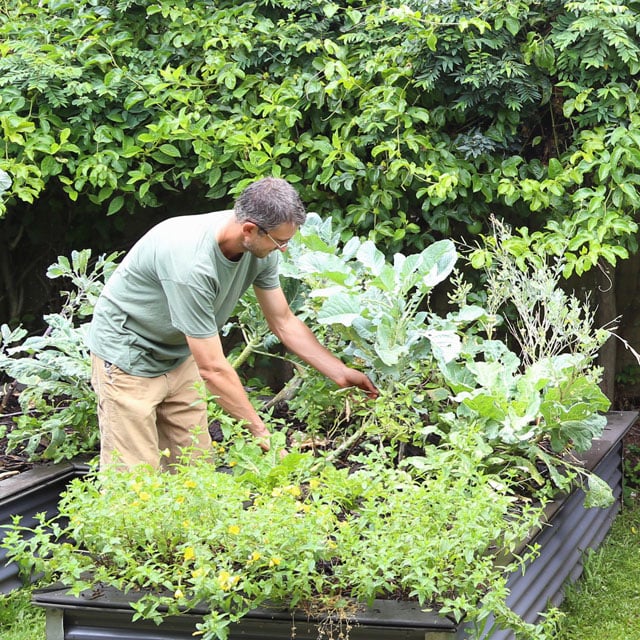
(107, 617)
(27, 494)
(82, 628)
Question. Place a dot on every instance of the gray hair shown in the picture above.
(270, 202)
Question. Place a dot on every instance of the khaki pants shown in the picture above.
(140, 417)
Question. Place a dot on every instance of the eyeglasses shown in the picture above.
(279, 245)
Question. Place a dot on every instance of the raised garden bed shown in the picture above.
(571, 530)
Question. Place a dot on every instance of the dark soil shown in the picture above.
(15, 461)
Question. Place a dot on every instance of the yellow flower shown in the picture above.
(314, 483)
(178, 594)
(226, 581)
(197, 573)
(165, 452)
(232, 463)
(180, 499)
(275, 561)
(190, 484)
(300, 506)
(234, 529)
(143, 495)
(255, 556)
(294, 490)
(189, 554)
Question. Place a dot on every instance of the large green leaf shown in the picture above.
(329, 266)
(446, 344)
(598, 494)
(438, 261)
(371, 257)
(578, 433)
(341, 308)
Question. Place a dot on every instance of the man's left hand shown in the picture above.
(354, 378)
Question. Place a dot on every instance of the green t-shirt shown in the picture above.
(175, 282)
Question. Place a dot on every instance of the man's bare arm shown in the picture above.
(223, 382)
(297, 337)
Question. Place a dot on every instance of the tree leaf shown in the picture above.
(171, 150)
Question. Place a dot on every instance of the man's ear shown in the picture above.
(248, 227)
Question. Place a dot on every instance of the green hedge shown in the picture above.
(406, 121)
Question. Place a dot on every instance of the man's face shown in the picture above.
(261, 242)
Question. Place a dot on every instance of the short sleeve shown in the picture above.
(191, 310)
(268, 278)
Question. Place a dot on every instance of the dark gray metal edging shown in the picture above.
(78, 625)
(108, 617)
(27, 494)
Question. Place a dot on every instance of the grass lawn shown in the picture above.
(19, 619)
(603, 605)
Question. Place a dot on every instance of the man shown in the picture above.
(154, 332)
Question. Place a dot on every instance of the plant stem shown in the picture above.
(246, 352)
(287, 392)
(333, 455)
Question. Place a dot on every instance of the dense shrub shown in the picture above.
(405, 121)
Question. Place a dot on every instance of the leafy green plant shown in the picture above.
(377, 304)
(557, 345)
(58, 418)
(370, 310)
(440, 375)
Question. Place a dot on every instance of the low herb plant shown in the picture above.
(282, 534)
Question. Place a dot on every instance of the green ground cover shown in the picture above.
(19, 619)
(604, 603)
